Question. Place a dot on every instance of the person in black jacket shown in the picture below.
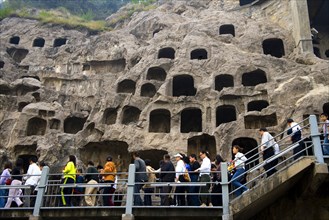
(193, 199)
(167, 174)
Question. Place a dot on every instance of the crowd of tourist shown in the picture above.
(193, 180)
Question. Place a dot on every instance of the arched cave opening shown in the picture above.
(154, 155)
(110, 116)
(167, 52)
(148, 90)
(2, 64)
(130, 115)
(156, 73)
(225, 114)
(274, 47)
(25, 152)
(250, 150)
(126, 86)
(26, 160)
(227, 29)
(36, 126)
(21, 105)
(254, 78)
(39, 42)
(54, 124)
(183, 85)
(4, 89)
(59, 42)
(17, 54)
(191, 120)
(257, 105)
(202, 142)
(260, 121)
(160, 121)
(199, 54)
(73, 125)
(99, 151)
(222, 81)
(14, 40)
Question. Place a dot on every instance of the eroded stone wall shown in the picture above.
(172, 79)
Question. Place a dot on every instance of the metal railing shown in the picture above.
(50, 187)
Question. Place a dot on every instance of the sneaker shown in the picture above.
(203, 205)
(210, 205)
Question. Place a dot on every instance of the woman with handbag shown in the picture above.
(5, 180)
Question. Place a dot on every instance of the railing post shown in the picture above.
(316, 139)
(130, 193)
(41, 191)
(225, 191)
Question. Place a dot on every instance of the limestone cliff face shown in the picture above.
(179, 78)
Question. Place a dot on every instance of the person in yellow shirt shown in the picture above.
(69, 178)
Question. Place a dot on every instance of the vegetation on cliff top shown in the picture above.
(88, 14)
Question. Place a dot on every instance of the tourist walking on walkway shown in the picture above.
(31, 178)
(69, 178)
(167, 175)
(193, 198)
(325, 130)
(239, 163)
(91, 178)
(148, 189)
(140, 178)
(4, 180)
(109, 173)
(179, 178)
(267, 149)
(204, 177)
(14, 194)
(216, 190)
(295, 131)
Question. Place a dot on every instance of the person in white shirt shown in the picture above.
(267, 149)
(31, 178)
(295, 131)
(239, 162)
(204, 177)
(180, 170)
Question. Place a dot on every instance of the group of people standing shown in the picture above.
(16, 196)
(187, 169)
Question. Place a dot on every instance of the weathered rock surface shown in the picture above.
(110, 93)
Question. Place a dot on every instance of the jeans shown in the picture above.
(137, 197)
(325, 146)
(237, 177)
(3, 197)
